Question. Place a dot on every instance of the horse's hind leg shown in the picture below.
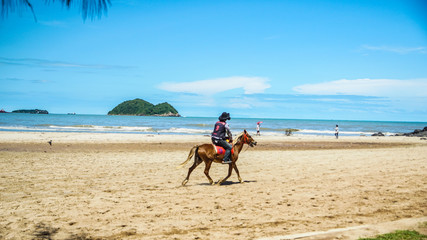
(197, 161)
(207, 167)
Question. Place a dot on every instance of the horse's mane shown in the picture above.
(237, 139)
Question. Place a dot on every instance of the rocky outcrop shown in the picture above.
(378, 134)
(415, 133)
(166, 115)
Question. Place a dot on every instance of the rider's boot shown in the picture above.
(226, 161)
(227, 155)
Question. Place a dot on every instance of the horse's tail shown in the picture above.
(190, 155)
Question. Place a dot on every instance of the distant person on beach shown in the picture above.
(218, 136)
(336, 131)
(257, 128)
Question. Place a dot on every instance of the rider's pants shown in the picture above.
(225, 145)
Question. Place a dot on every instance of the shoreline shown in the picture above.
(188, 131)
(199, 125)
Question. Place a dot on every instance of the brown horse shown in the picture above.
(206, 153)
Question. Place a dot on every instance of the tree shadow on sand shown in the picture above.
(44, 231)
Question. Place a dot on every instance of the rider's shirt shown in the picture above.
(220, 129)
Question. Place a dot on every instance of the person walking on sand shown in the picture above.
(218, 137)
(336, 131)
(257, 128)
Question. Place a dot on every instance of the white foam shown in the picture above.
(185, 130)
(16, 128)
(79, 128)
(176, 130)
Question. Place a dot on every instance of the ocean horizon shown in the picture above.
(95, 123)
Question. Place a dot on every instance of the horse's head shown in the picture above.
(246, 138)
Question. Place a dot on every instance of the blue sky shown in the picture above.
(344, 60)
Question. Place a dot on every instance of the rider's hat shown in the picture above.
(224, 116)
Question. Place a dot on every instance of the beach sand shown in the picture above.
(127, 186)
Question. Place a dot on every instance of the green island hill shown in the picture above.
(32, 111)
(139, 107)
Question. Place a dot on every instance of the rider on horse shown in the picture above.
(218, 136)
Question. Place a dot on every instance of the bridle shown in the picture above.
(245, 139)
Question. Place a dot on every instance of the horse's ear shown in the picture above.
(245, 131)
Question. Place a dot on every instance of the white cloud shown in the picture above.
(401, 50)
(250, 85)
(243, 102)
(240, 105)
(367, 87)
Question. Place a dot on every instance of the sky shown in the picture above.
(305, 59)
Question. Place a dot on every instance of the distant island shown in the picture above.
(139, 107)
(32, 111)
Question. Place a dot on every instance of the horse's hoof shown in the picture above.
(184, 182)
(240, 180)
(219, 182)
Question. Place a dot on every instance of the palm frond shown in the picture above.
(15, 5)
(89, 8)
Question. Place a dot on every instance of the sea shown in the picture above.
(24, 122)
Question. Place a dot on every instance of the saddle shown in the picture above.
(220, 150)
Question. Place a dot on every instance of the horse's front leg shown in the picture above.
(237, 171)
(230, 169)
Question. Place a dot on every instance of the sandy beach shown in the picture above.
(127, 186)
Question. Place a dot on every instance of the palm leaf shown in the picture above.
(89, 8)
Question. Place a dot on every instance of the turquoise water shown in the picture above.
(193, 125)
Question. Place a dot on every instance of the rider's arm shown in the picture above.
(227, 129)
